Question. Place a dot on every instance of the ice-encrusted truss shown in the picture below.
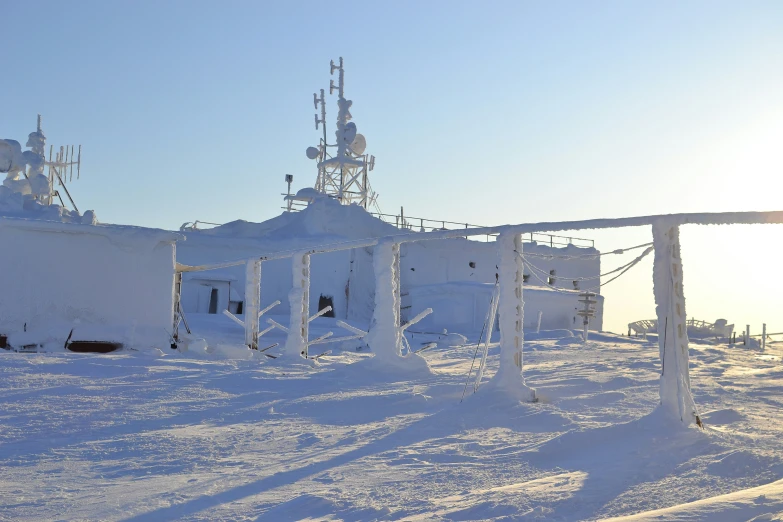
(385, 334)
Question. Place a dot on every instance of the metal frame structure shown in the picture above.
(385, 334)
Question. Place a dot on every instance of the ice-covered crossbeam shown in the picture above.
(416, 319)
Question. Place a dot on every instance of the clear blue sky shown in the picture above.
(485, 112)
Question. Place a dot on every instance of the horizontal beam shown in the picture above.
(696, 218)
(706, 218)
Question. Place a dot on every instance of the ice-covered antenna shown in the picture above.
(322, 121)
(342, 173)
(60, 165)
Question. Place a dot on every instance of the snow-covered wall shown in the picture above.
(347, 276)
(113, 279)
(459, 259)
(462, 307)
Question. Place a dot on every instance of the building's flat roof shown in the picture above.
(125, 232)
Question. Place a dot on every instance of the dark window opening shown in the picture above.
(213, 301)
(323, 302)
(472, 264)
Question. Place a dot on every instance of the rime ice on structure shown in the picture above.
(299, 300)
(27, 191)
(510, 268)
(675, 386)
(343, 167)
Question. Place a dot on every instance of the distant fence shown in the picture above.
(418, 224)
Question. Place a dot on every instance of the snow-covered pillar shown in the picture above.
(675, 386)
(299, 300)
(384, 337)
(511, 309)
(252, 302)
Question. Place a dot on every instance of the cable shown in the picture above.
(587, 256)
(589, 278)
(624, 269)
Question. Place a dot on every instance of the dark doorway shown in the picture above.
(213, 301)
(323, 302)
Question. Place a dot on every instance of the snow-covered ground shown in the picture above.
(220, 436)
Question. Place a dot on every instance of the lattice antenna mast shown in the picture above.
(342, 175)
(61, 166)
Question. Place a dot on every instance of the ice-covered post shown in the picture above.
(511, 309)
(675, 385)
(252, 302)
(764, 336)
(299, 300)
(538, 324)
(384, 337)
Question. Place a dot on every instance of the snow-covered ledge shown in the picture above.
(675, 385)
(511, 304)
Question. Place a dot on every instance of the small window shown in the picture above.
(323, 302)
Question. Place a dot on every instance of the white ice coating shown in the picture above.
(252, 302)
(675, 385)
(384, 337)
(299, 301)
(511, 308)
(26, 191)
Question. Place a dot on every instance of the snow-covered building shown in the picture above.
(455, 277)
(63, 273)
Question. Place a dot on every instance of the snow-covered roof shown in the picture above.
(324, 218)
(124, 232)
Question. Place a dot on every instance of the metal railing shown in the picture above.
(418, 224)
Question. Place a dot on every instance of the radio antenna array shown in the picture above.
(61, 166)
(343, 166)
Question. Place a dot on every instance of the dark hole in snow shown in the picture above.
(3, 341)
(93, 346)
(413, 269)
(472, 264)
(323, 302)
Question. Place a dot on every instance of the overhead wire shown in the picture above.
(623, 269)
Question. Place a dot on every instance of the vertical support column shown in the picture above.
(675, 386)
(252, 302)
(511, 308)
(299, 300)
(384, 337)
(177, 315)
(764, 336)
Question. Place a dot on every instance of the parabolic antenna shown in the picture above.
(349, 134)
(358, 145)
(312, 152)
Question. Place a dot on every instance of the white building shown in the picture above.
(107, 282)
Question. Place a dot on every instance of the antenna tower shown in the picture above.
(343, 166)
(61, 166)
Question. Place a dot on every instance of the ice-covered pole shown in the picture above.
(384, 337)
(511, 308)
(252, 302)
(675, 385)
(299, 300)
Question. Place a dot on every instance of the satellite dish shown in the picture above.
(358, 145)
(350, 133)
(312, 152)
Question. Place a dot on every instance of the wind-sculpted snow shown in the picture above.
(208, 436)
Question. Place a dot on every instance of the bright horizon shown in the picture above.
(505, 112)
